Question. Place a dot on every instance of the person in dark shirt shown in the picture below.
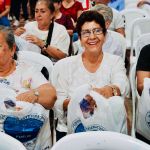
(143, 67)
(143, 71)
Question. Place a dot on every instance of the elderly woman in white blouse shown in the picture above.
(104, 72)
(50, 36)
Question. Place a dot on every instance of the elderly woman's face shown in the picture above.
(5, 52)
(92, 37)
(42, 14)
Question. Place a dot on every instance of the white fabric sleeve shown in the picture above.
(63, 42)
(118, 76)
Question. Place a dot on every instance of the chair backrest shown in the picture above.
(99, 140)
(118, 37)
(142, 41)
(36, 59)
(129, 16)
(139, 27)
(132, 79)
(131, 3)
(9, 143)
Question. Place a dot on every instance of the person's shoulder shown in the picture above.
(115, 11)
(31, 24)
(60, 29)
(68, 61)
(145, 51)
(24, 66)
(111, 57)
(59, 26)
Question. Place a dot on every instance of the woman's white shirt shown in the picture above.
(24, 78)
(60, 38)
(70, 73)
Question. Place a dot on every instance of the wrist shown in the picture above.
(114, 90)
(36, 95)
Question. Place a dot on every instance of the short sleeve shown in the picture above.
(143, 63)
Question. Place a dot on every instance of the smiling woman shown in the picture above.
(104, 72)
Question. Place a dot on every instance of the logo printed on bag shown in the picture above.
(78, 126)
(24, 129)
(147, 119)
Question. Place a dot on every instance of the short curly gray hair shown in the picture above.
(105, 11)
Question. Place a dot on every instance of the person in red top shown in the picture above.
(61, 18)
(4, 10)
(72, 8)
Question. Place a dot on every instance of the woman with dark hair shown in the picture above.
(104, 72)
(50, 36)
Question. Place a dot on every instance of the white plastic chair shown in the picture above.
(9, 143)
(36, 59)
(118, 37)
(129, 16)
(39, 61)
(140, 42)
(99, 140)
(139, 27)
(132, 77)
(131, 3)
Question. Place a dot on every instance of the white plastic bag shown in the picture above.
(143, 111)
(109, 114)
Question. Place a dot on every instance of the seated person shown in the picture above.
(50, 36)
(143, 71)
(117, 22)
(143, 67)
(106, 73)
(28, 84)
(61, 18)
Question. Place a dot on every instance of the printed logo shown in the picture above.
(5, 81)
(147, 119)
(78, 126)
(24, 129)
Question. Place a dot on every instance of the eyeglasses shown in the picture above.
(95, 31)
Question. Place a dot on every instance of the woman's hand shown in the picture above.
(19, 31)
(105, 91)
(91, 101)
(35, 40)
(27, 97)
